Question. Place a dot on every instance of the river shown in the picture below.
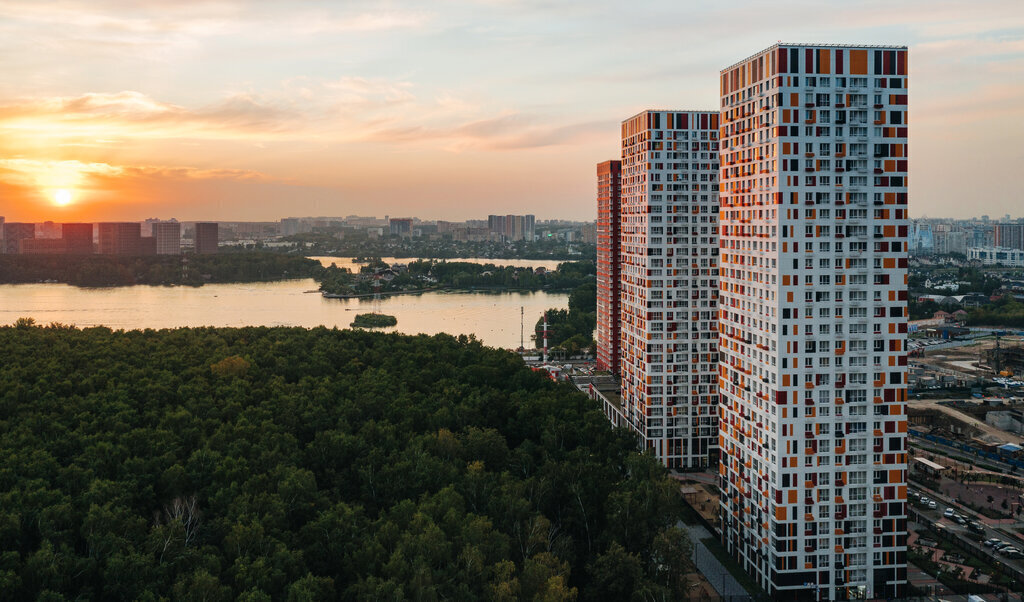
(493, 317)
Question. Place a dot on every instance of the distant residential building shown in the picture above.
(168, 238)
(400, 226)
(513, 227)
(120, 238)
(48, 230)
(42, 246)
(588, 233)
(77, 238)
(14, 233)
(206, 238)
(147, 245)
(1009, 236)
(609, 174)
(1013, 258)
(290, 226)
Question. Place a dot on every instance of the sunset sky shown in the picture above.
(258, 110)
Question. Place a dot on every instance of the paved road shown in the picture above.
(961, 531)
(717, 575)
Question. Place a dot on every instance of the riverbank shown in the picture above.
(380, 277)
(470, 290)
(94, 271)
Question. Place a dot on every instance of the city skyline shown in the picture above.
(218, 111)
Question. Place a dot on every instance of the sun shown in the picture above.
(62, 197)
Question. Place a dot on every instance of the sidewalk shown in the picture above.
(717, 575)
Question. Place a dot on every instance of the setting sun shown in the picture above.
(62, 197)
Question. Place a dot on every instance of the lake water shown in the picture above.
(493, 317)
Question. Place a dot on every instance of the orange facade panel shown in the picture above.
(858, 62)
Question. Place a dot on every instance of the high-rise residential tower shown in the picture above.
(14, 233)
(609, 174)
(206, 238)
(813, 322)
(120, 238)
(669, 283)
(167, 237)
(77, 238)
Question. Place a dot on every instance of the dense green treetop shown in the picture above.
(292, 464)
(431, 274)
(115, 270)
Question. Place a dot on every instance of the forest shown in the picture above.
(293, 464)
(356, 243)
(430, 274)
(194, 270)
(571, 331)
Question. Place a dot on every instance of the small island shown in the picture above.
(374, 321)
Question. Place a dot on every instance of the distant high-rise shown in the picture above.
(608, 318)
(77, 238)
(168, 238)
(400, 226)
(206, 238)
(14, 233)
(1009, 236)
(669, 283)
(813, 320)
(120, 238)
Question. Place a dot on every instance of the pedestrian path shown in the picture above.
(717, 575)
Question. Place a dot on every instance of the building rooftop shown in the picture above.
(806, 45)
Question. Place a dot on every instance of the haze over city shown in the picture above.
(255, 110)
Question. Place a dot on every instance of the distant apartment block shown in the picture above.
(813, 322)
(206, 238)
(609, 174)
(120, 238)
(14, 233)
(1011, 258)
(167, 236)
(42, 246)
(669, 283)
(1009, 236)
(513, 227)
(77, 238)
(400, 226)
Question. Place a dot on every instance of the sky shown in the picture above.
(263, 109)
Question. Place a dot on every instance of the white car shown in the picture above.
(949, 513)
(932, 504)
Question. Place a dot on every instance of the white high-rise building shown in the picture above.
(813, 320)
(669, 283)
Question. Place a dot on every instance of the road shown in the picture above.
(961, 531)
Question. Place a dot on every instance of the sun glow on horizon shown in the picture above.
(62, 197)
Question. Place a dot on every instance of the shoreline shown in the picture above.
(327, 295)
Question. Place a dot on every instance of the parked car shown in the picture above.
(960, 520)
(975, 526)
(949, 513)
(1014, 554)
(990, 542)
(932, 504)
(999, 546)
